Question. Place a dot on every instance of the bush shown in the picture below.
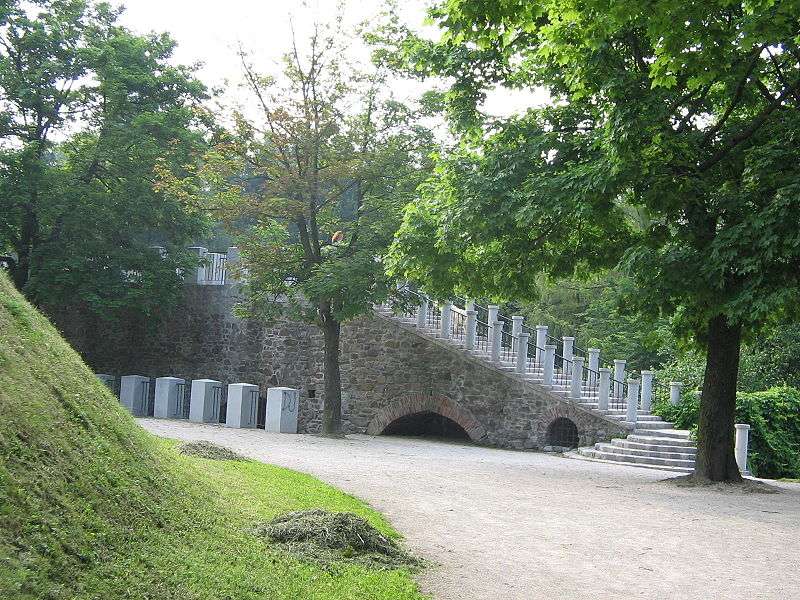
(774, 419)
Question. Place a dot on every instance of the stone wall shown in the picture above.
(388, 370)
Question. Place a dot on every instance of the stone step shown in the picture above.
(634, 445)
(589, 454)
(626, 451)
(640, 418)
(644, 460)
(671, 433)
(647, 425)
(660, 440)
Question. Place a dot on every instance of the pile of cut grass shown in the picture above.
(210, 450)
(92, 506)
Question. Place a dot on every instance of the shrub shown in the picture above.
(774, 419)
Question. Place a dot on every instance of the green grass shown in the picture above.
(91, 506)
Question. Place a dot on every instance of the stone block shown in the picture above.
(134, 394)
(282, 409)
(169, 392)
(242, 405)
(205, 401)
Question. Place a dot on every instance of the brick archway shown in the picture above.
(416, 403)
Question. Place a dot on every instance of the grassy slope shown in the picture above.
(91, 506)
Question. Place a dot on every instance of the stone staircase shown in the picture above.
(652, 443)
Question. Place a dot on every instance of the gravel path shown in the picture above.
(523, 525)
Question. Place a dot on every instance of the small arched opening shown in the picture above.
(426, 424)
(562, 433)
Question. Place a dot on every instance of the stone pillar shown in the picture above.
(242, 408)
(233, 266)
(568, 352)
(422, 313)
(604, 388)
(469, 305)
(205, 401)
(675, 392)
(167, 400)
(200, 273)
(742, 441)
(594, 364)
(522, 352)
(619, 377)
(647, 390)
(106, 379)
(282, 409)
(516, 329)
(134, 394)
(472, 327)
(541, 341)
(633, 401)
(576, 383)
(447, 316)
(494, 310)
(549, 364)
(497, 338)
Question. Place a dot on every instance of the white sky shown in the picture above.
(209, 32)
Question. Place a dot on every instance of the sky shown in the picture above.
(209, 32)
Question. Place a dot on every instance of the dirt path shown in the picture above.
(521, 525)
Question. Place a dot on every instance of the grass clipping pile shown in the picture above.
(325, 538)
(208, 450)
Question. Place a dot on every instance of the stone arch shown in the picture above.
(562, 431)
(417, 403)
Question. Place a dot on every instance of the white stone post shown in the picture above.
(522, 352)
(604, 388)
(619, 377)
(497, 338)
(647, 390)
(205, 400)
(675, 392)
(633, 401)
(242, 408)
(422, 313)
(494, 310)
(576, 383)
(594, 364)
(282, 409)
(472, 326)
(549, 364)
(134, 394)
(742, 441)
(447, 315)
(166, 404)
(200, 275)
(541, 341)
(469, 305)
(568, 352)
(516, 329)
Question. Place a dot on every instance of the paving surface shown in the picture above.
(522, 525)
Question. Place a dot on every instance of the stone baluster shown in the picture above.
(619, 377)
(576, 383)
(497, 338)
(647, 390)
(675, 392)
(447, 315)
(472, 327)
(549, 364)
(633, 401)
(594, 365)
(516, 329)
(469, 305)
(422, 313)
(568, 352)
(541, 341)
(604, 388)
(494, 310)
(742, 441)
(522, 352)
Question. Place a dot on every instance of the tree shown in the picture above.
(315, 186)
(89, 112)
(670, 150)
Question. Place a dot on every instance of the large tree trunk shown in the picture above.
(332, 408)
(715, 456)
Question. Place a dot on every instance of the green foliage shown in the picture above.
(90, 113)
(94, 507)
(774, 419)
